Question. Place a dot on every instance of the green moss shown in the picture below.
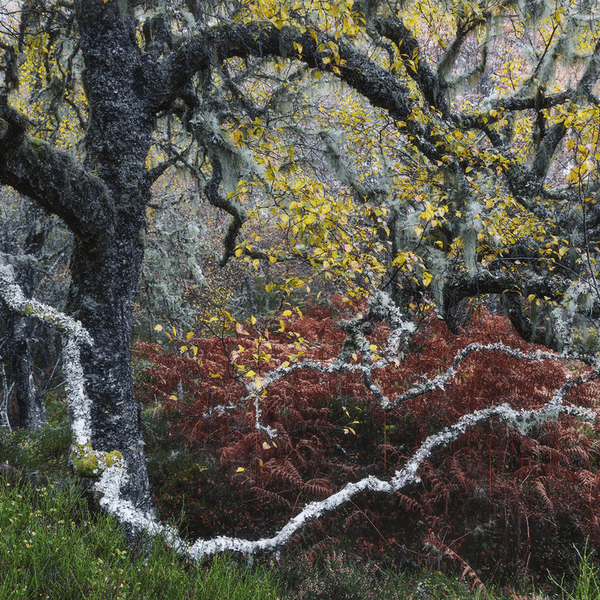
(39, 147)
(88, 462)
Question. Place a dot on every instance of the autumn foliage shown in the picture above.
(492, 497)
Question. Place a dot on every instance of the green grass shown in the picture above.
(52, 547)
(43, 452)
(587, 580)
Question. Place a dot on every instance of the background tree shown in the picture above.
(37, 247)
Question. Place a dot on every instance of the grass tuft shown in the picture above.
(586, 585)
(52, 547)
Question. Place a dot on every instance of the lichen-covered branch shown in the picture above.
(86, 461)
(381, 309)
(112, 480)
(6, 392)
(16, 302)
(51, 177)
(74, 336)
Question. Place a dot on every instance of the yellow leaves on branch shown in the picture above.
(336, 17)
(43, 70)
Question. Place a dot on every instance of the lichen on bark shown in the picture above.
(88, 462)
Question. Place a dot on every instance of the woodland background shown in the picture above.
(290, 205)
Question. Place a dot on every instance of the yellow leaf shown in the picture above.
(189, 334)
(250, 373)
(240, 329)
(287, 313)
(158, 328)
(240, 470)
(531, 297)
(266, 446)
(427, 278)
(183, 349)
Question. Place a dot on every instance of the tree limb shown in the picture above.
(51, 177)
(114, 478)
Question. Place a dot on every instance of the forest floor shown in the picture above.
(53, 546)
(496, 515)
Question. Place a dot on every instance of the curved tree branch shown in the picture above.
(51, 177)
(114, 478)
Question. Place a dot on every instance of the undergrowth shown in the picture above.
(495, 503)
(495, 507)
(52, 546)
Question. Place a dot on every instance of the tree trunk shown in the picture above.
(32, 410)
(105, 270)
(103, 286)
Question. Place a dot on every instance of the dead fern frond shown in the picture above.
(409, 503)
(320, 488)
(270, 496)
(541, 490)
(436, 544)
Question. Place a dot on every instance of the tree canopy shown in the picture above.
(447, 146)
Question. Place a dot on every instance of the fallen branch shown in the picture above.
(112, 480)
(74, 336)
(113, 476)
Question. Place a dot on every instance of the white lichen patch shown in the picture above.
(74, 336)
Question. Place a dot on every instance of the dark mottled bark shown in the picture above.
(528, 329)
(103, 202)
(486, 282)
(105, 267)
